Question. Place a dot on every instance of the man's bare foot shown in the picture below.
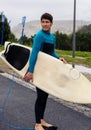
(38, 127)
(44, 123)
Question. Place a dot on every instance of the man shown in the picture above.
(43, 41)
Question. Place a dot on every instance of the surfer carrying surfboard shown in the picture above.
(43, 41)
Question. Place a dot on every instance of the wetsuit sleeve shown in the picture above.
(35, 50)
(55, 55)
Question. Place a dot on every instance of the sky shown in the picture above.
(14, 10)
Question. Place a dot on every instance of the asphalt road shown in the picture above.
(18, 110)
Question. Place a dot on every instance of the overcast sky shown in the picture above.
(14, 10)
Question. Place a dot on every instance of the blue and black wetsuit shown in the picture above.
(44, 42)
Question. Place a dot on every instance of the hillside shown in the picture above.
(64, 26)
(86, 29)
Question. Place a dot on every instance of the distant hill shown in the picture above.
(64, 26)
(86, 29)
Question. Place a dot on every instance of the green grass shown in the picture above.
(82, 58)
(78, 53)
(1, 47)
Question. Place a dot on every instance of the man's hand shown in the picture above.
(28, 77)
(64, 61)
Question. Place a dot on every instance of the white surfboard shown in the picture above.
(50, 74)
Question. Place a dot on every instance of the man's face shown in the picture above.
(46, 25)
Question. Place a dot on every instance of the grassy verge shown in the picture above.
(1, 47)
(82, 58)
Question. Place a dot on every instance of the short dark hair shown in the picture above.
(47, 16)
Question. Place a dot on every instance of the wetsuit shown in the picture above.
(44, 42)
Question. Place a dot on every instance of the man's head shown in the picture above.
(47, 16)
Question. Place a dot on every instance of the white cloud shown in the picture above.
(32, 9)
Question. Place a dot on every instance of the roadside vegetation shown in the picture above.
(1, 48)
(81, 58)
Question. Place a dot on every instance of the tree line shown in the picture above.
(8, 35)
(63, 41)
(83, 41)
